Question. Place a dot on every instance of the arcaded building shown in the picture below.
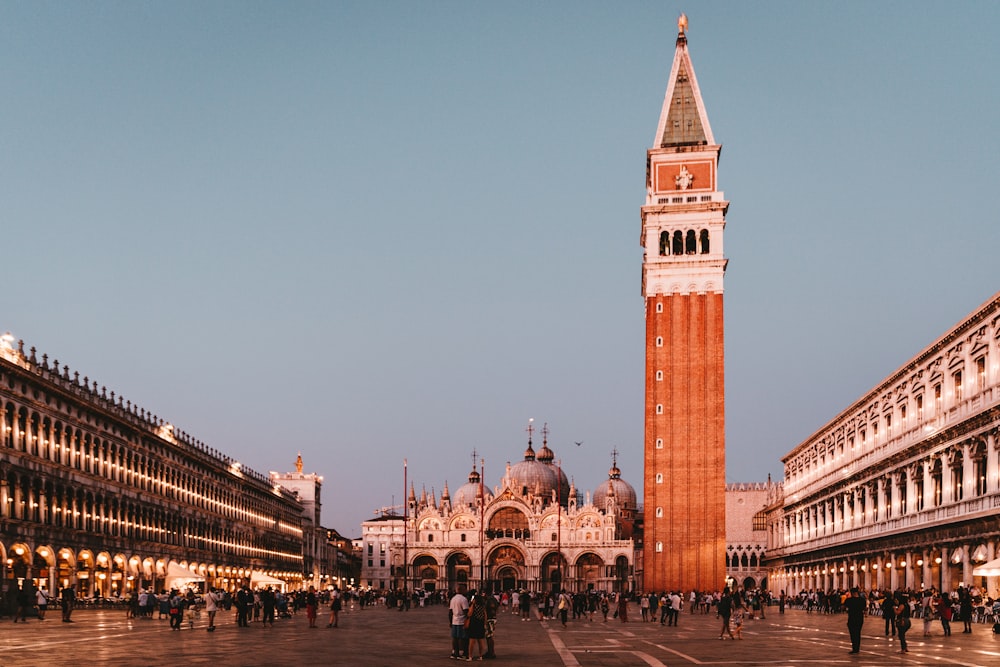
(533, 530)
(683, 266)
(902, 488)
(102, 495)
(747, 505)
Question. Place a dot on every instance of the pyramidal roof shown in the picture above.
(683, 121)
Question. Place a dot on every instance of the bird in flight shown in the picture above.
(578, 443)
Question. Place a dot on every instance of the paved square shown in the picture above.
(379, 637)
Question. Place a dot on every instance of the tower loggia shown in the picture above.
(682, 284)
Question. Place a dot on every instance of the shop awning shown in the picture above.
(988, 569)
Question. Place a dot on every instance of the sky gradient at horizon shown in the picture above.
(377, 231)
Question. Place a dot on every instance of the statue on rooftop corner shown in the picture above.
(298, 463)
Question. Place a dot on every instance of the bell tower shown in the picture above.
(682, 284)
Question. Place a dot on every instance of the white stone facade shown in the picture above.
(515, 535)
(901, 489)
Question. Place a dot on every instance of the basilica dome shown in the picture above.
(539, 475)
(468, 492)
(622, 490)
(533, 476)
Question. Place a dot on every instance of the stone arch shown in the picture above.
(459, 569)
(425, 571)
(509, 522)
(589, 570)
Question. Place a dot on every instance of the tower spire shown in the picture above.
(683, 121)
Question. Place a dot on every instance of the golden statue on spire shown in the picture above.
(298, 464)
(682, 23)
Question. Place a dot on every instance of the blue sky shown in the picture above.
(369, 231)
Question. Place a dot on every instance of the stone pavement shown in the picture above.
(378, 637)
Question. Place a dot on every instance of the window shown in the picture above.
(659, 478)
(937, 396)
(463, 537)
(979, 465)
(920, 407)
(888, 425)
(902, 494)
(704, 242)
(659, 443)
(659, 512)
(659, 307)
(430, 537)
(555, 537)
(659, 408)
(659, 547)
(981, 373)
(678, 244)
(957, 377)
(957, 484)
(664, 243)
(659, 341)
(691, 242)
(659, 376)
(760, 521)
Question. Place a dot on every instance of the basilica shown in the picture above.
(533, 530)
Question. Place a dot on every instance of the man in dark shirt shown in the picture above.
(855, 605)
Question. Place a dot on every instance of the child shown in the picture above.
(737, 620)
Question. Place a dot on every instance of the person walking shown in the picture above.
(739, 612)
(335, 606)
(622, 608)
(67, 596)
(944, 612)
(268, 603)
(458, 611)
(889, 616)
(212, 600)
(675, 609)
(176, 609)
(725, 609)
(476, 626)
(855, 606)
(492, 607)
(311, 604)
(25, 598)
(563, 606)
(42, 602)
(902, 620)
(965, 609)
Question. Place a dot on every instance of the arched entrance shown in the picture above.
(506, 569)
(425, 569)
(589, 567)
(459, 571)
(552, 569)
(623, 575)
